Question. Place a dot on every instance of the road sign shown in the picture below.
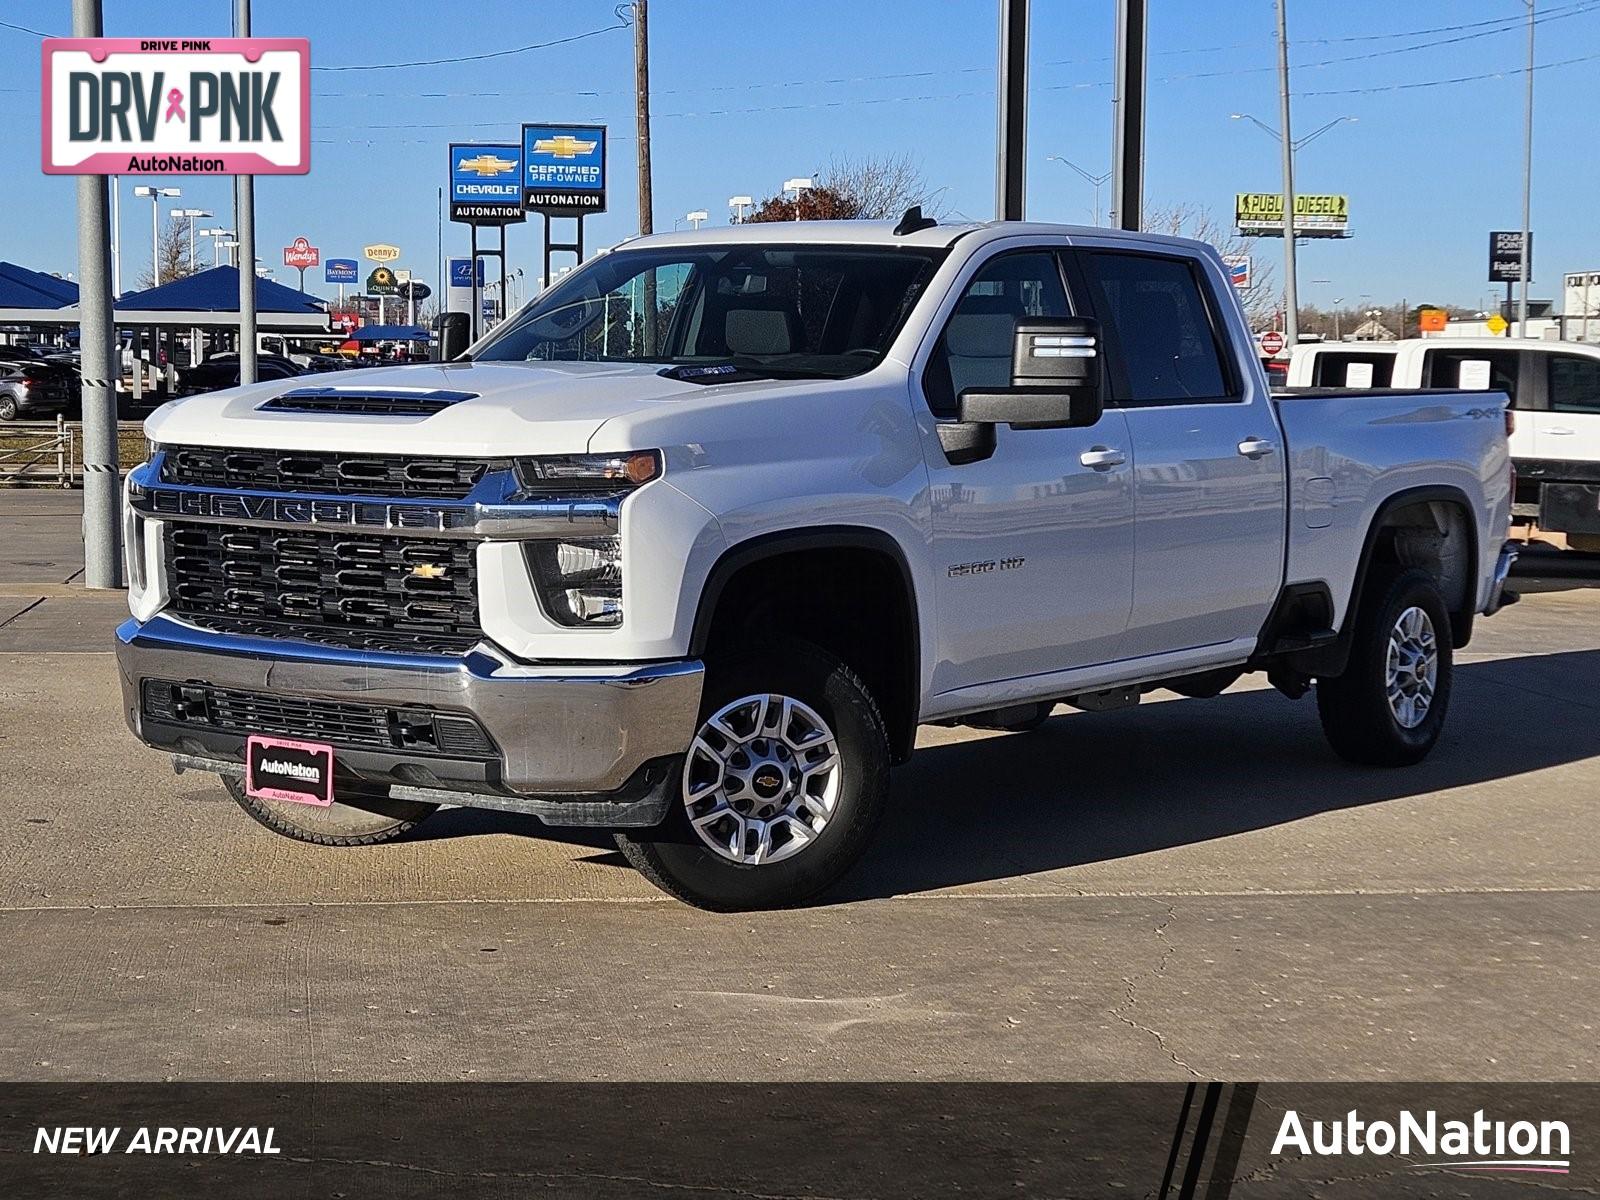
(177, 106)
(1238, 269)
(1260, 214)
(1271, 343)
(486, 184)
(1505, 256)
(1496, 324)
(564, 169)
(301, 254)
(381, 253)
(341, 270)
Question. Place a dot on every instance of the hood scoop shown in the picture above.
(367, 402)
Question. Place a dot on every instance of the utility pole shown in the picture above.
(641, 87)
(1291, 298)
(244, 192)
(1527, 176)
(102, 485)
(1010, 175)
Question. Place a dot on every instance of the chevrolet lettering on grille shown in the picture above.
(291, 510)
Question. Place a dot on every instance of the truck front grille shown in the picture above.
(366, 591)
(325, 472)
(229, 710)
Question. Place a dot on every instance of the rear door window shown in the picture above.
(1156, 311)
(1465, 369)
(1574, 384)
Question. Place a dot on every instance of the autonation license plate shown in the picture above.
(278, 769)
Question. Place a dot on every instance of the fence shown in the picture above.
(40, 456)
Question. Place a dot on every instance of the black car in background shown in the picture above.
(222, 371)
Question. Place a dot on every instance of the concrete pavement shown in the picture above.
(1189, 888)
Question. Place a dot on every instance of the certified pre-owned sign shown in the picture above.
(165, 106)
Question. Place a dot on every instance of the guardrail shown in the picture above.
(46, 457)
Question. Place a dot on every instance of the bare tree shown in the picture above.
(849, 189)
(172, 251)
(1262, 299)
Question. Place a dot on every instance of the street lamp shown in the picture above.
(1297, 143)
(1098, 181)
(216, 236)
(798, 187)
(738, 204)
(155, 194)
(231, 245)
(697, 216)
(190, 214)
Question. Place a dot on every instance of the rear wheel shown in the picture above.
(8, 408)
(355, 818)
(781, 788)
(1388, 707)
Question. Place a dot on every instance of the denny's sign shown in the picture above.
(169, 106)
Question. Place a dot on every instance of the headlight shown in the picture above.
(587, 473)
(579, 582)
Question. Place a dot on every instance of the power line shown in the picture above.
(25, 29)
(620, 23)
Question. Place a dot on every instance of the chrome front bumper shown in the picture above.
(567, 733)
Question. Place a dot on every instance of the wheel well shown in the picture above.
(1434, 534)
(855, 601)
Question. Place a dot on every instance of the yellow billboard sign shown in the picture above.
(1260, 214)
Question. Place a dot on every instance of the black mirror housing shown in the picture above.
(1056, 378)
(452, 335)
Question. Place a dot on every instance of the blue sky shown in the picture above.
(748, 94)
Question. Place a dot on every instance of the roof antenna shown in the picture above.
(913, 221)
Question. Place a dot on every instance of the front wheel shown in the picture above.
(781, 787)
(1388, 708)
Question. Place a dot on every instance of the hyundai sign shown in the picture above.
(341, 270)
(564, 169)
(461, 272)
(486, 184)
(177, 106)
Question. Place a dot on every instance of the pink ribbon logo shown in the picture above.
(175, 106)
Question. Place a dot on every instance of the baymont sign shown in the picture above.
(153, 106)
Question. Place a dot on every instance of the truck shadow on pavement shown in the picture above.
(1093, 787)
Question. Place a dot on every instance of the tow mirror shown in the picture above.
(1056, 383)
(453, 333)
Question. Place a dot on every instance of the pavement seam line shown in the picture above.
(23, 613)
(1130, 985)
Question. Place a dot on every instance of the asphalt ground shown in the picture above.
(1185, 889)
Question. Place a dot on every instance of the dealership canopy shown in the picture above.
(27, 295)
(209, 298)
(390, 333)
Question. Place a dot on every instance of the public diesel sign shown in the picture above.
(165, 106)
(486, 184)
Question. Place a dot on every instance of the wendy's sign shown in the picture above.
(169, 106)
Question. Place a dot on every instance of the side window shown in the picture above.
(1158, 316)
(1574, 384)
(1474, 370)
(974, 351)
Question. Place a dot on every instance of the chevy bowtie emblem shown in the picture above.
(486, 165)
(428, 571)
(565, 146)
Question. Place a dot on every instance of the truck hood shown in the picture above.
(514, 408)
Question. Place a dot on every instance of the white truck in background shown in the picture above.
(691, 545)
(1555, 395)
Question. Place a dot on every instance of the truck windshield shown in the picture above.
(783, 311)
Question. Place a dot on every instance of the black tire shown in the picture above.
(673, 856)
(364, 819)
(1357, 717)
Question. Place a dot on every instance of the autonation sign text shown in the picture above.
(168, 106)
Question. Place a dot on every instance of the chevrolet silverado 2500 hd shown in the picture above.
(690, 546)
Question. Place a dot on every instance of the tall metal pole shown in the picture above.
(155, 235)
(1012, 141)
(102, 526)
(1527, 177)
(116, 236)
(641, 87)
(1127, 109)
(244, 191)
(1291, 297)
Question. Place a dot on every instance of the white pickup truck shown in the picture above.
(1555, 395)
(690, 546)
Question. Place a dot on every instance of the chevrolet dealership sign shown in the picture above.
(171, 106)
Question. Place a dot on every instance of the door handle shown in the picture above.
(1560, 431)
(1254, 447)
(1102, 458)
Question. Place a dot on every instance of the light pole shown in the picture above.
(116, 235)
(190, 214)
(737, 204)
(799, 187)
(1097, 181)
(696, 217)
(1527, 175)
(216, 236)
(231, 245)
(155, 194)
(1289, 145)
